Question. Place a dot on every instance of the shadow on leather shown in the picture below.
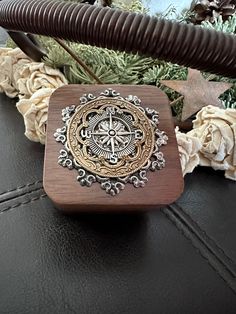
(99, 242)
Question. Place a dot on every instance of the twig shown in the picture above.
(176, 100)
(77, 59)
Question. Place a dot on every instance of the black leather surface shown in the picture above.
(180, 259)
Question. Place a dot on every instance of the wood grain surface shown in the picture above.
(164, 186)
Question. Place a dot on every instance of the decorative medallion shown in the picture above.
(111, 140)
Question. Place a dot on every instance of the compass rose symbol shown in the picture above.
(112, 133)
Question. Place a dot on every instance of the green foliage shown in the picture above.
(10, 43)
(122, 68)
(228, 26)
(133, 6)
(164, 71)
(170, 13)
(110, 66)
(57, 57)
(229, 97)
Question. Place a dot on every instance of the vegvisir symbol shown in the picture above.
(111, 140)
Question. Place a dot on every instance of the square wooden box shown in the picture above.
(164, 186)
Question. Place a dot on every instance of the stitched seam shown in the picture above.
(21, 195)
(206, 234)
(21, 187)
(33, 199)
(208, 243)
(181, 230)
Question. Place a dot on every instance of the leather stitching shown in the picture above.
(20, 195)
(21, 187)
(31, 200)
(194, 223)
(183, 232)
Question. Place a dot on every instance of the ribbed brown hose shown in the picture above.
(186, 45)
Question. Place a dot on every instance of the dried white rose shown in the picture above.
(35, 113)
(33, 82)
(9, 59)
(34, 76)
(216, 129)
(189, 147)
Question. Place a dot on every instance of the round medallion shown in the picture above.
(111, 140)
(110, 137)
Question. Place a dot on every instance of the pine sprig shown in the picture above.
(228, 26)
(110, 66)
(122, 68)
(164, 71)
(132, 6)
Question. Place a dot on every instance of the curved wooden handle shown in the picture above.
(28, 43)
(184, 44)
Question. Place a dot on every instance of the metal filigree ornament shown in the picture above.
(111, 140)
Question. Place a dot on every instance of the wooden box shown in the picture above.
(164, 186)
